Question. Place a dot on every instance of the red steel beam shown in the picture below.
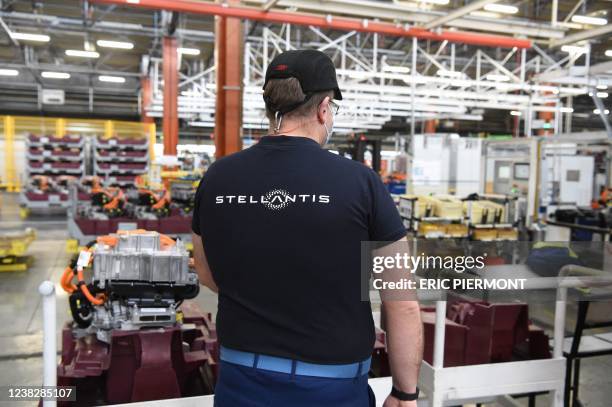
(328, 21)
(228, 110)
(430, 126)
(170, 73)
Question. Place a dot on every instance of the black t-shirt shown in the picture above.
(282, 224)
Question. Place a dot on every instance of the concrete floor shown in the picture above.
(21, 324)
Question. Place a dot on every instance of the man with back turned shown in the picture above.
(277, 232)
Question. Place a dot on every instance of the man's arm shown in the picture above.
(201, 264)
(401, 319)
(404, 344)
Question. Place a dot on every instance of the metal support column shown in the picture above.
(60, 127)
(170, 119)
(413, 67)
(12, 182)
(109, 129)
(145, 97)
(430, 126)
(602, 113)
(228, 62)
(568, 116)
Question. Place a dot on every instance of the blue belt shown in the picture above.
(289, 366)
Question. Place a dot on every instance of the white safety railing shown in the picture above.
(444, 386)
(441, 385)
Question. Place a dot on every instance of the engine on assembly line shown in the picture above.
(136, 279)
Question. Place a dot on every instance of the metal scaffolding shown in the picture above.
(379, 84)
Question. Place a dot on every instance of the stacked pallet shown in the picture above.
(120, 160)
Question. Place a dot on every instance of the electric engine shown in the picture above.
(138, 279)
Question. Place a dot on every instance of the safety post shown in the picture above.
(109, 129)
(559, 332)
(47, 290)
(60, 127)
(12, 183)
(438, 356)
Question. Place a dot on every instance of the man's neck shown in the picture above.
(295, 130)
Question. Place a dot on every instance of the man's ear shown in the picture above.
(322, 110)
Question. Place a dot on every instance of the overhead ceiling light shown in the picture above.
(188, 51)
(440, 2)
(9, 72)
(597, 111)
(566, 110)
(497, 77)
(602, 95)
(589, 20)
(602, 87)
(55, 75)
(515, 113)
(573, 49)
(82, 53)
(501, 8)
(132, 1)
(191, 93)
(609, 53)
(484, 14)
(449, 73)
(113, 79)
(115, 44)
(30, 37)
(396, 69)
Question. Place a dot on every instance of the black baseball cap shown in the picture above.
(313, 69)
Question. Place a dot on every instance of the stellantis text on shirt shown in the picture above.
(271, 199)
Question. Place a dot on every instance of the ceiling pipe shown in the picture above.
(583, 35)
(269, 4)
(328, 21)
(402, 13)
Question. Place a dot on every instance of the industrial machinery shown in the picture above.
(147, 203)
(364, 150)
(87, 186)
(108, 202)
(13, 247)
(130, 339)
(113, 208)
(507, 167)
(438, 165)
(183, 194)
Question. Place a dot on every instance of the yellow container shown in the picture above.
(507, 234)
(483, 212)
(457, 230)
(444, 206)
(485, 235)
(421, 208)
(427, 229)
